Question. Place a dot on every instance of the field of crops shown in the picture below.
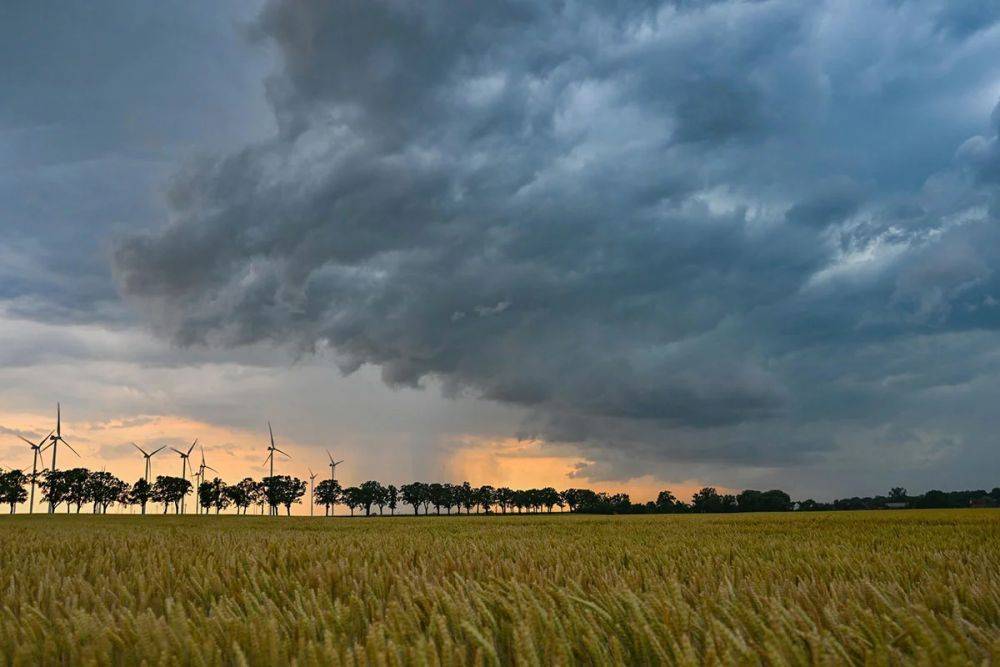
(822, 588)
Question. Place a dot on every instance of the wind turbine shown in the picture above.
(149, 464)
(184, 464)
(54, 440)
(36, 454)
(312, 488)
(333, 465)
(200, 475)
(271, 450)
(270, 457)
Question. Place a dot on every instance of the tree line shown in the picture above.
(78, 487)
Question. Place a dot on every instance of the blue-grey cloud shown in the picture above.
(102, 100)
(751, 233)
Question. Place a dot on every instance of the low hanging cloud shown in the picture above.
(702, 232)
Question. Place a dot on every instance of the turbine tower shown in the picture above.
(54, 440)
(312, 489)
(271, 450)
(184, 463)
(36, 451)
(200, 476)
(270, 459)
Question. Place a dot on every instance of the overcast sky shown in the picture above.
(624, 245)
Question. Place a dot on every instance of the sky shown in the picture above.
(629, 246)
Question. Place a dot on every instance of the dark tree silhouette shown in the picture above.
(55, 488)
(504, 497)
(103, 489)
(414, 494)
(283, 490)
(12, 489)
(76, 487)
(666, 502)
(709, 500)
(371, 493)
(354, 498)
(140, 493)
(392, 498)
(213, 494)
(170, 490)
(242, 494)
(327, 493)
(767, 501)
(485, 498)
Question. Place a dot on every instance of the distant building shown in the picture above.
(896, 505)
(983, 501)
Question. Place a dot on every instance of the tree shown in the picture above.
(283, 490)
(381, 498)
(213, 494)
(391, 498)
(485, 497)
(169, 490)
(103, 489)
(12, 489)
(328, 493)
(241, 495)
(466, 497)
(584, 501)
(897, 494)
(354, 498)
(549, 497)
(438, 496)
(774, 500)
(371, 493)
(55, 487)
(666, 502)
(257, 496)
(140, 493)
(414, 494)
(709, 500)
(77, 491)
(620, 503)
(504, 497)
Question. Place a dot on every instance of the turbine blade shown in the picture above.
(211, 468)
(140, 449)
(191, 448)
(26, 440)
(269, 430)
(157, 450)
(278, 450)
(70, 447)
(179, 451)
(330, 455)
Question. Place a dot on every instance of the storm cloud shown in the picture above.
(761, 234)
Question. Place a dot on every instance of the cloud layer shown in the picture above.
(746, 234)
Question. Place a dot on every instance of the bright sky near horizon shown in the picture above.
(628, 246)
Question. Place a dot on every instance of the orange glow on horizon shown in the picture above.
(526, 464)
(237, 453)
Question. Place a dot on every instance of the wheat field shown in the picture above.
(880, 588)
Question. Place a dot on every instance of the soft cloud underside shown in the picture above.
(710, 234)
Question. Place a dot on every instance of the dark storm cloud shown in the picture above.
(692, 231)
(100, 100)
